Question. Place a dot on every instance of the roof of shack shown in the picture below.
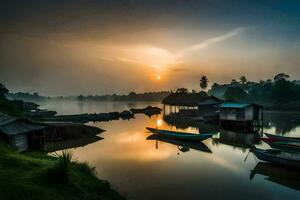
(13, 126)
(237, 105)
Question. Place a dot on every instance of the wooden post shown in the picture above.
(262, 121)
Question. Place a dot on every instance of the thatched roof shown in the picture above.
(184, 99)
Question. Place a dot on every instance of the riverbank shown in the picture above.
(40, 176)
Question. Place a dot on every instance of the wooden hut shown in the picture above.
(236, 114)
(184, 103)
(22, 134)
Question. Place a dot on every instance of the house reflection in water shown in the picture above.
(286, 177)
(237, 139)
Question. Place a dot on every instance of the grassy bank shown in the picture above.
(39, 176)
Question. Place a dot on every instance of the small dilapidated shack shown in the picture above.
(234, 114)
(21, 133)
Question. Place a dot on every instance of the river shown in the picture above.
(142, 169)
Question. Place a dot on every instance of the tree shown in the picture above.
(243, 79)
(80, 97)
(132, 94)
(281, 77)
(269, 81)
(234, 82)
(203, 82)
(215, 85)
(182, 90)
(235, 94)
(3, 90)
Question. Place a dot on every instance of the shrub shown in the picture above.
(87, 168)
(60, 171)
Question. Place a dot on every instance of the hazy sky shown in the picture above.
(60, 47)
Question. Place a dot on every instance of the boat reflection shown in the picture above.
(280, 175)
(204, 127)
(68, 144)
(182, 146)
(237, 139)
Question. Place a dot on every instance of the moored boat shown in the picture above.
(284, 146)
(278, 157)
(283, 138)
(180, 135)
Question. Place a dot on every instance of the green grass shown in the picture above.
(25, 176)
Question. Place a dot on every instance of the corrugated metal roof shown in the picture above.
(234, 105)
(14, 126)
(5, 119)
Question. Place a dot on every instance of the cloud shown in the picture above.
(160, 58)
(179, 69)
(210, 42)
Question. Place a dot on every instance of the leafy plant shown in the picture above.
(60, 171)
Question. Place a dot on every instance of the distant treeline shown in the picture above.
(132, 96)
(26, 96)
(279, 91)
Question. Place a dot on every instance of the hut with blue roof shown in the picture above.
(246, 114)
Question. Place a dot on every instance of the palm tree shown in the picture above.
(243, 79)
(203, 82)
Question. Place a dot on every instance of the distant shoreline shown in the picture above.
(281, 111)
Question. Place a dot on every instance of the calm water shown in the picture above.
(144, 169)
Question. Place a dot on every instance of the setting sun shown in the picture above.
(158, 77)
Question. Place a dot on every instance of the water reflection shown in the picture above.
(68, 144)
(286, 177)
(181, 145)
(147, 169)
(282, 123)
(186, 123)
(237, 139)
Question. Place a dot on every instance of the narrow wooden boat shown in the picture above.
(284, 146)
(180, 135)
(278, 157)
(283, 138)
